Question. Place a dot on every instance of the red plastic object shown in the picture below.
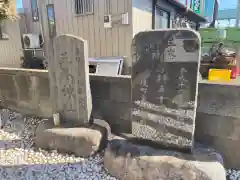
(234, 72)
(238, 71)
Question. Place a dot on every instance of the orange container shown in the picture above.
(219, 75)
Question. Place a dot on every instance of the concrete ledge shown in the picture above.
(222, 133)
(82, 141)
(127, 161)
(27, 91)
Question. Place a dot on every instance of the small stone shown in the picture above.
(68, 139)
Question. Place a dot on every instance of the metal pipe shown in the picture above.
(215, 14)
(238, 14)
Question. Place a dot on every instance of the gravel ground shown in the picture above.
(20, 160)
(233, 174)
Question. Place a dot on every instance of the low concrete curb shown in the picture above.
(82, 141)
(129, 161)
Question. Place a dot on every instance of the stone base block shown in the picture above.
(128, 161)
(81, 141)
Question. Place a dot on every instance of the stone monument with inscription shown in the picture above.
(165, 83)
(69, 78)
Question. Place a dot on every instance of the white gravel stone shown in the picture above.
(20, 160)
(233, 174)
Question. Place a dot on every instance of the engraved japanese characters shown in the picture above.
(69, 75)
(165, 70)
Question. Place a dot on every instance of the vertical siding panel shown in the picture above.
(71, 22)
(9, 45)
(97, 39)
(62, 15)
(23, 24)
(142, 15)
(57, 19)
(65, 16)
(60, 6)
(115, 27)
(101, 28)
(85, 27)
(27, 9)
(68, 15)
(56, 9)
(10, 50)
(128, 39)
(74, 19)
(91, 35)
(121, 29)
(108, 31)
(80, 27)
(58, 12)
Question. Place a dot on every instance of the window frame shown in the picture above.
(35, 9)
(159, 8)
(1, 31)
(48, 20)
(81, 9)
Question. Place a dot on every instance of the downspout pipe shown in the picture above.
(238, 14)
(154, 2)
(215, 14)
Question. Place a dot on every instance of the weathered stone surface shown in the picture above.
(128, 161)
(218, 119)
(111, 96)
(82, 141)
(165, 71)
(25, 91)
(69, 79)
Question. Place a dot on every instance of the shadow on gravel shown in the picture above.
(201, 153)
(87, 169)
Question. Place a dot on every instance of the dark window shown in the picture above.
(35, 13)
(92, 68)
(162, 18)
(3, 35)
(84, 7)
(1, 30)
(51, 20)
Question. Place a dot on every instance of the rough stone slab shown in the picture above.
(165, 79)
(82, 141)
(128, 161)
(69, 79)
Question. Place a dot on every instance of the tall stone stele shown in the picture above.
(69, 80)
(165, 86)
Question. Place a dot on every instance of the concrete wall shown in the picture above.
(218, 120)
(27, 92)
